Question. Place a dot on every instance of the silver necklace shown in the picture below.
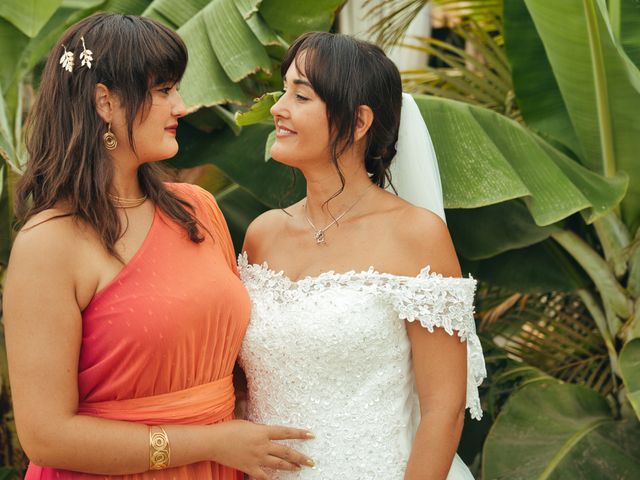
(319, 233)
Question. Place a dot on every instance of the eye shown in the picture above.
(301, 98)
(165, 90)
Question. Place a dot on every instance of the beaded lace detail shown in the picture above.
(336, 339)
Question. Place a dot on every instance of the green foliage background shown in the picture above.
(537, 138)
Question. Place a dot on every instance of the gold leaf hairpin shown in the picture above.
(67, 60)
(86, 56)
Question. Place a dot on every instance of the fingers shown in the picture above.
(258, 474)
(288, 433)
(289, 455)
(277, 463)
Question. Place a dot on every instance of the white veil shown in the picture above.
(414, 168)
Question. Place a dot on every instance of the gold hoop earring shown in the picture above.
(109, 139)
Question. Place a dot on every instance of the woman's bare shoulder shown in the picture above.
(264, 229)
(51, 235)
(424, 239)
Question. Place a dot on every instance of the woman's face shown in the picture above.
(154, 133)
(300, 116)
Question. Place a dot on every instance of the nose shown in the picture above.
(279, 108)
(178, 109)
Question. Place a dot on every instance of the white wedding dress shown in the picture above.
(331, 354)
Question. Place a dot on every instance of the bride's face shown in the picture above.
(300, 116)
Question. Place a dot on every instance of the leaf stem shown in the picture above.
(598, 270)
(600, 86)
(615, 17)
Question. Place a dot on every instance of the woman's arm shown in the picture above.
(439, 360)
(43, 329)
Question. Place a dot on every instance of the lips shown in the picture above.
(282, 131)
(172, 129)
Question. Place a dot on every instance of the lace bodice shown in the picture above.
(331, 353)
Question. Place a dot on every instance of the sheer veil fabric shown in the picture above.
(414, 168)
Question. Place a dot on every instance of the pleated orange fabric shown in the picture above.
(159, 342)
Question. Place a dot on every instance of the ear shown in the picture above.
(105, 102)
(365, 119)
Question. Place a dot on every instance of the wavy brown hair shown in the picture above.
(68, 161)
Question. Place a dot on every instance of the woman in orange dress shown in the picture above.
(120, 356)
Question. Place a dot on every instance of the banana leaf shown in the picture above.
(301, 17)
(484, 232)
(630, 370)
(12, 43)
(486, 158)
(551, 430)
(28, 17)
(541, 267)
(239, 208)
(128, 7)
(600, 87)
(537, 91)
(630, 29)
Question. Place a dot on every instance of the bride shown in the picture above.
(362, 329)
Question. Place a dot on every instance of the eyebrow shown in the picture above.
(299, 81)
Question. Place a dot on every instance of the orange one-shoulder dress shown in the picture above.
(160, 341)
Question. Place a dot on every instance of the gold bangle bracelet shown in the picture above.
(159, 449)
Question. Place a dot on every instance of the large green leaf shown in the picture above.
(494, 159)
(239, 208)
(630, 370)
(8, 473)
(537, 91)
(7, 148)
(128, 7)
(241, 158)
(550, 430)
(178, 13)
(12, 43)
(29, 16)
(205, 82)
(230, 35)
(582, 51)
(6, 216)
(37, 47)
(484, 232)
(541, 267)
(300, 16)
(630, 29)
(226, 44)
(239, 51)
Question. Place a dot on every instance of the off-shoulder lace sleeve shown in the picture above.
(441, 302)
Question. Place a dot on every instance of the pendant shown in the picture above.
(319, 235)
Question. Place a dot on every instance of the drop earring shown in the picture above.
(110, 140)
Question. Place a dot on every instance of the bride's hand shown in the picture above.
(250, 447)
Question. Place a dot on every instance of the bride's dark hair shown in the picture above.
(67, 157)
(347, 73)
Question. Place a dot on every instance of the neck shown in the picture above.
(125, 180)
(323, 184)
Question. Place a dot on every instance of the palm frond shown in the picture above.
(553, 333)
(391, 27)
(478, 74)
(395, 16)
